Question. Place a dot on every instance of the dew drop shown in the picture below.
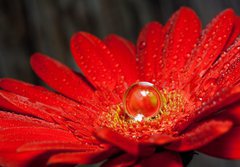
(142, 100)
(219, 38)
(175, 57)
(188, 55)
(209, 82)
(205, 46)
(202, 73)
(142, 45)
(199, 59)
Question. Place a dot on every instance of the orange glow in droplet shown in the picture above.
(142, 100)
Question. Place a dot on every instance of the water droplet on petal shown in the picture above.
(142, 100)
(208, 83)
(219, 38)
(142, 45)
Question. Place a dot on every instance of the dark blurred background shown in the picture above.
(28, 26)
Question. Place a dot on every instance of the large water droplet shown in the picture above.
(141, 101)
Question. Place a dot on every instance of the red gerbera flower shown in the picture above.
(176, 91)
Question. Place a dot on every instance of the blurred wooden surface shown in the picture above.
(28, 26)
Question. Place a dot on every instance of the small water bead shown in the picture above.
(142, 101)
(142, 45)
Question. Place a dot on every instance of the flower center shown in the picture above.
(142, 101)
(146, 110)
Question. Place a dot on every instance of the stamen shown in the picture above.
(145, 110)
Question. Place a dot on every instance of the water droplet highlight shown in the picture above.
(142, 45)
(142, 101)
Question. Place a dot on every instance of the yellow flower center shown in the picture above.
(145, 110)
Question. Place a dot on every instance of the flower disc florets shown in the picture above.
(144, 111)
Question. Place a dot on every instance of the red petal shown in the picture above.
(69, 108)
(227, 146)
(12, 138)
(10, 158)
(94, 59)
(149, 51)
(229, 74)
(165, 159)
(182, 35)
(8, 120)
(130, 146)
(200, 135)
(55, 114)
(124, 160)
(23, 105)
(211, 44)
(221, 101)
(14, 159)
(224, 73)
(235, 33)
(60, 77)
(232, 113)
(81, 157)
(160, 139)
(124, 56)
(37, 93)
(56, 145)
(30, 134)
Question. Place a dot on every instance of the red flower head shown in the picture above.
(176, 91)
